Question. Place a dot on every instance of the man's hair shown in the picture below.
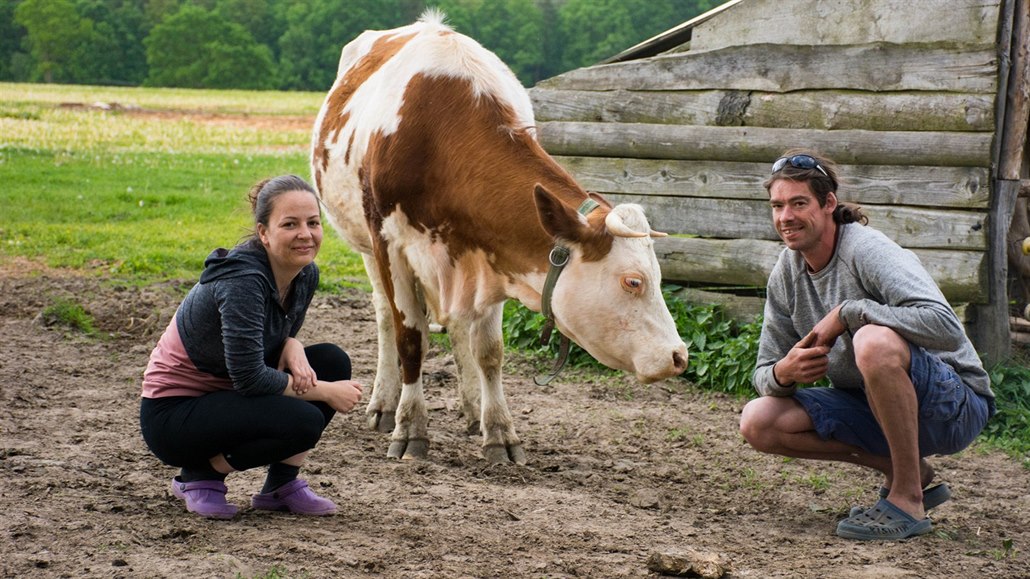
(822, 183)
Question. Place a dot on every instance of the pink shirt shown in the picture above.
(171, 373)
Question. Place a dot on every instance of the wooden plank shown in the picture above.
(848, 22)
(836, 110)
(760, 144)
(748, 262)
(785, 68)
(731, 218)
(957, 187)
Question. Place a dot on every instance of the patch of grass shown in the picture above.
(66, 312)
(150, 216)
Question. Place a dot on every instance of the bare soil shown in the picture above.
(617, 472)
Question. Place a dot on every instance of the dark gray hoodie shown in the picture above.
(231, 323)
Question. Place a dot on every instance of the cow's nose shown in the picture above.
(679, 361)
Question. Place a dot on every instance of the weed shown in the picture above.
(65, 312)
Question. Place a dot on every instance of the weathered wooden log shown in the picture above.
(1020, 337)
(748, 262)
(1019, 324)
(816, 22)
(760, 144)
(836, 110)
(1017, 101)
(791, 67)
(954, 187)
(743, 309)
(723, 218)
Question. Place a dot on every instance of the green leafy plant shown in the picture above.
(1009, 429)
(722, 352)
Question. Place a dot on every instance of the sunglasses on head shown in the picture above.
(798, 162)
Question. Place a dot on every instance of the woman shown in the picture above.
(228, 386)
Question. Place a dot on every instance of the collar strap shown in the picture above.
(558, 259)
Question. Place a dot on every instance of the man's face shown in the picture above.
(799, 220)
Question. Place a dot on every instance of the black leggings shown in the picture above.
(250, 431)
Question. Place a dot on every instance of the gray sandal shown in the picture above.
(933, 497)
(883, 522)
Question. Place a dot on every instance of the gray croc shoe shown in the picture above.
(933, 497)
(883, 522)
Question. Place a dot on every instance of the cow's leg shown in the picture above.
(386, 390)
(469, 382)
(500, 443)
(410, 438)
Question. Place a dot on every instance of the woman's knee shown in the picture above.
(329, 361)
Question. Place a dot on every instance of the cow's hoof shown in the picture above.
(381, 422)
(500, 454)
(417, 448)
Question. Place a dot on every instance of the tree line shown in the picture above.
(295, 44)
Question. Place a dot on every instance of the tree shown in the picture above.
(11, 37)
(512, 29)
(113, 51)
(317, 31)
(593, 30)
(196, 48)
(53, 33)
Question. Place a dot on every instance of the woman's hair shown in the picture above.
(262, 198)
(821, 182)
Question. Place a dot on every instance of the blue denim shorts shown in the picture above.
(951, 414)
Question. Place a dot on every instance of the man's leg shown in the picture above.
(883, 358)
(782, 426)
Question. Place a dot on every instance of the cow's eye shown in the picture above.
(633, 284)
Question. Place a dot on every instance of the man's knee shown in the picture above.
(756, 421)
(879, 348)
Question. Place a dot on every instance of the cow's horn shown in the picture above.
(658, 233)
(618, 228)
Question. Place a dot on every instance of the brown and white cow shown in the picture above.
(425, 156)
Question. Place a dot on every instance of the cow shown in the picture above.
(425, 156)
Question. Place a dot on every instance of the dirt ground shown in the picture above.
(617, 472)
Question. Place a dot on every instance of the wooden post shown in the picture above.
(1017, 105)
(990, 324)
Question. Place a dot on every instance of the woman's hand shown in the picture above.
(342, 395)
(294, 361)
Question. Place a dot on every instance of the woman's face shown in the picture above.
(293, 235)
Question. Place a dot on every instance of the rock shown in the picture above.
(688, 564)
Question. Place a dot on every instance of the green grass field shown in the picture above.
(145, 190)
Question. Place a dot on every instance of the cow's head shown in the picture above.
(609, 299)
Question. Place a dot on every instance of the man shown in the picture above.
(846, 303)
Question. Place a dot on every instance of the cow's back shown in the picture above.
(364, 106)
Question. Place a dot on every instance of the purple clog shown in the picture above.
(294, 497)
(204, 497)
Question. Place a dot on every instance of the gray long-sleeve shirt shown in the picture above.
(876, 282)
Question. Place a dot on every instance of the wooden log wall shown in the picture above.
(903, 95)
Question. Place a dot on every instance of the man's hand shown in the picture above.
(828, 329)
(806, 362)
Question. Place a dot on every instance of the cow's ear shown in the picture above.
(558, 219)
